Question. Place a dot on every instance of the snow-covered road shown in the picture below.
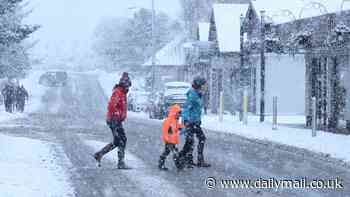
(77, 126)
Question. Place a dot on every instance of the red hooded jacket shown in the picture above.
(117, 106)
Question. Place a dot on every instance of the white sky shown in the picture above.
(73, 21)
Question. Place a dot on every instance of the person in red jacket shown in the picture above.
(117, 112)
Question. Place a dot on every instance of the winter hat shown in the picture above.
(198, 82)
(125, 80)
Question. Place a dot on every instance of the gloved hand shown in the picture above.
(182, 131)
(114, 124)
(186, 123)
(198, 123)
(118, 124)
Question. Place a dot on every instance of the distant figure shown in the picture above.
(16, 104)
(9, 97)
(21, 97)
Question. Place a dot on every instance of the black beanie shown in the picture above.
(125, 80)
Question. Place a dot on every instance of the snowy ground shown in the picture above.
(325, 142)
(28, 168)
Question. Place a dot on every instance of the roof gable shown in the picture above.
(172, 54)
(226, 18)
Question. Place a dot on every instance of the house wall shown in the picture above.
(320, 69)
(224, 70)
(166, 73)
(285, 78)
(326, 80)
(346, 84)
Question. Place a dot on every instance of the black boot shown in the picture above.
(189, 160)
(122, 165)
(190, 164)
(202, 164)
(179, 161)
(98, 156)
(161, 164)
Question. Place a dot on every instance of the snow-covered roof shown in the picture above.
(227, 20)
(203, 30)
(287, 11)
(172, 54)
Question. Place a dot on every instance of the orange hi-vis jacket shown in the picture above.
(171, 126)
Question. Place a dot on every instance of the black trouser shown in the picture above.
(119, 140)
(8, 105)
(187, 150)
(168, 148)
(20, 105)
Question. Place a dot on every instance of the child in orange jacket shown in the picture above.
(171, 134)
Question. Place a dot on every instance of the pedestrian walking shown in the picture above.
(116, 115)
(9, 97)
(21, 97)
(171, 135)
(191, 115)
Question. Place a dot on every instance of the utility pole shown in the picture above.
(262, 67)
(241, 77)
(153, 50)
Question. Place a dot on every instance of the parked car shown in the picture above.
(138, 101)
(173, 93)
(54, 78)
(156, 107)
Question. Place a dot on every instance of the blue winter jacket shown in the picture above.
(192, 110)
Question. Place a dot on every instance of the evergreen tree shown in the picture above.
(128, 43)
(14, 60)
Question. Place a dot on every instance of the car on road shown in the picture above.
(173, 93)
(54, 79)
(156, 107)
(138, 101)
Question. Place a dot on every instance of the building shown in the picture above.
(224, 36)
(319, 39)
(170, 63)
(306, 54)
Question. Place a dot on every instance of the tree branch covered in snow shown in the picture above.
(129, 42)
(14, 60)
